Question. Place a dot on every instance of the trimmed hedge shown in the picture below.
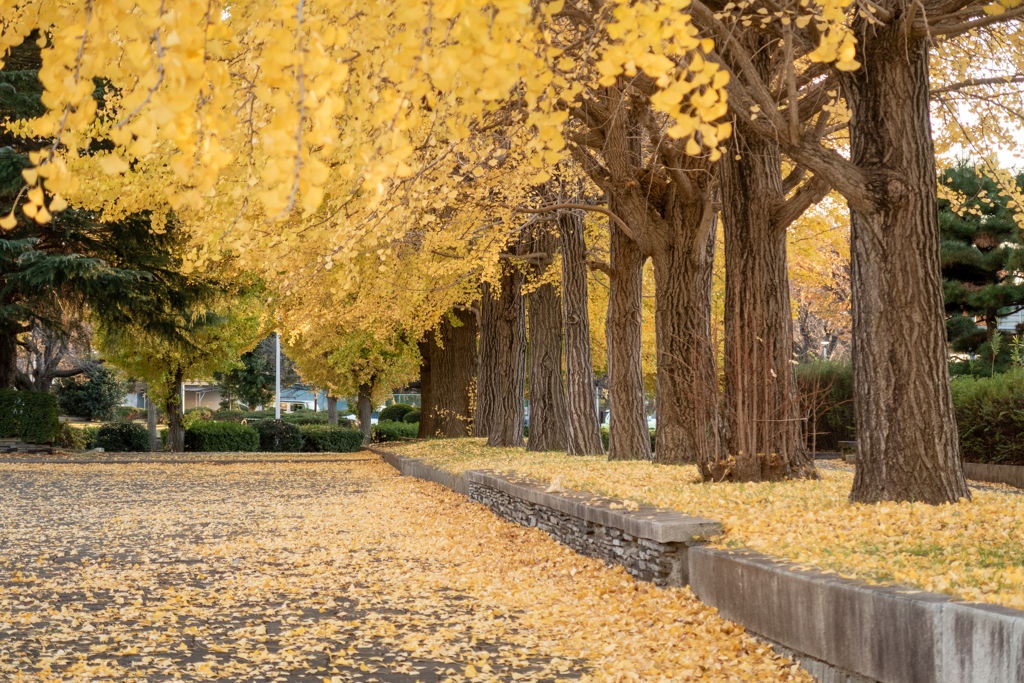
(395, 413)
(413, 416)
(278, 436)
(394, 431)
(28, 415)
(990, 417)
(826, 392)
(221, 437)
(331, 439)
(122, 437)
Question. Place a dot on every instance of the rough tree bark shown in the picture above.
(548, 410)
(907, 442)
(761, 408)
(628, 435)
(154, 437)
(427, 424)
(453, 366)
(484, 414)
(503, 370)
(584, 429)
(761, 417)
(664, 204)
(8, 360)
(687, 383)
(175, 417)
(364, 405)
(332, 410)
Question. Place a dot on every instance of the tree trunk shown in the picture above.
(332, 410)
(365, 407)
(453, 363)
(505, 369)
(8, 360)
(175, 417)
(154, 436)
(584, 429)
(761, 406)
(687, 385)
(628, 435)
(485, 396)
(427, 427)
(548, 412)
(907, 442)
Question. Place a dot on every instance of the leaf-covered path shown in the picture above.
(321, 571)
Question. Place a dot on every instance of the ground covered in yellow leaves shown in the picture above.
(333, 572)
(973, 550)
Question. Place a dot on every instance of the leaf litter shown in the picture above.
(972, 550)
(338, 572)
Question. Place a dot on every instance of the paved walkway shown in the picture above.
(335, 572)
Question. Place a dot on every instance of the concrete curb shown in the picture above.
(995, 474)
(841, 630)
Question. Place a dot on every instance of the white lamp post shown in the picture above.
(277, 381)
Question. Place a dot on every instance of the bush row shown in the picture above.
(29, 416)
(387, 430)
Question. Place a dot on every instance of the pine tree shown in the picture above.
(982, 263)
(122, 272)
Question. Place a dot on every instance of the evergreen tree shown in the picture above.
(125, 273)
(982, 264)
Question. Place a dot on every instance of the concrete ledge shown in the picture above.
(655, 524)
(414, 467)
(996, 474)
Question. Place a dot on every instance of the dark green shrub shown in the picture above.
(122, 437)
(94, 395)
(331, 439)
(412, 417)
(89, 436)
(990, 417)
(221, 437)
(129, 413)
(395, 413)
(28, 415)
(394, 431)
(826, 394)
(230, 415)
(278, 436)
(70, 437)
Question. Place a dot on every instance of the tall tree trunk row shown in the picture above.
(584, 431)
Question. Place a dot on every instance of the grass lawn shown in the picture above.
(972, 550)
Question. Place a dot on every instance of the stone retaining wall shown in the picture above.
(663, 564)
(996, 474)
(17, 446)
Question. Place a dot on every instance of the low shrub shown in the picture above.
(395, 413)
(28, 415)
(88, 435)
(990, 417)
(122, 437)
(129, 413)
(221, 437)
(331, 439)
(826, 392)
(232, 415)
(413, 416)
(278, 436)
(70, 437)
(394, 431)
